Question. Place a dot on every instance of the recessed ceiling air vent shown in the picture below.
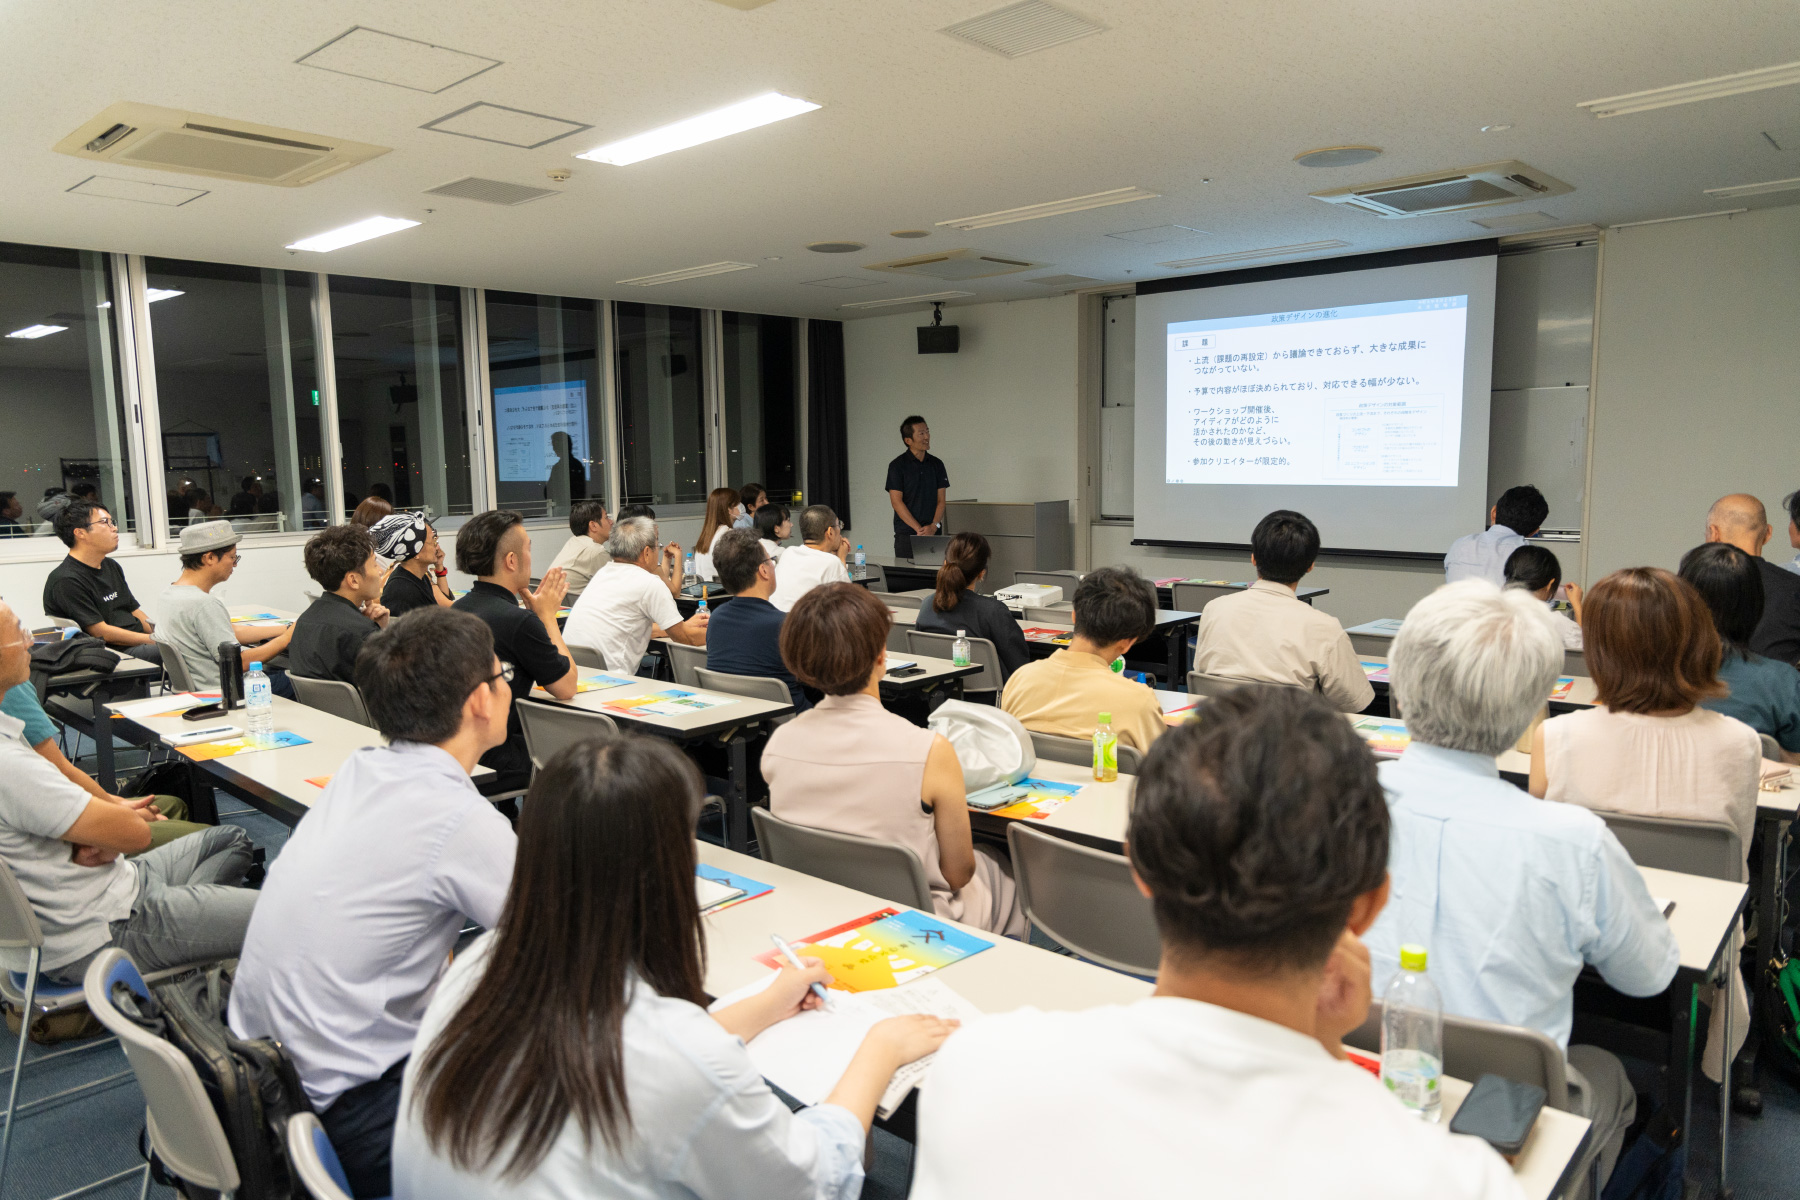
(956, 264)
(168, 139)
(1449, 191)
(491, 191)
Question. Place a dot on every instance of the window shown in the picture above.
(544, 364)
(60, 391)
(662, 406)
(762, 402)
(402, 423)
(237, 387)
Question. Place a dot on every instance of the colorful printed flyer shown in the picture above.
(1056, 637)
(250, 618)
(1376, 671)
(1565, 684)
(1386, 737)
(672, 702)
(243, 745)
(1040, 798)
(884, 949)
(319, 781)
(751, 888)
(597, 683)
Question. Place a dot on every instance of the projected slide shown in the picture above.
(526, 422)
(1363, 394)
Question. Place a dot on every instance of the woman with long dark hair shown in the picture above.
(957, 606)
(1765, 693)
(569, 1052)
(723, 507)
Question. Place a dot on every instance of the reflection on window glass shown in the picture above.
(402, 423)
(60, 402)
(662, 410)
(762, 402)
(544, 366)
(237, 386)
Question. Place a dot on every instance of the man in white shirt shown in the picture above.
(819, 559)
(582, 556)
(1512, 895)
(363, 906)
(1517, 515)
(1261, 837)
(1267, 634)
(632, 599)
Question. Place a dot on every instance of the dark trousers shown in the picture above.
(902, 544)
(360, 1124)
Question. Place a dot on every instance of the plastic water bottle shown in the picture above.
(1412, 1036)
(1118, 665)
(688, 577)
(702, 606)
(959, 649)
(1106, 750)
(862, 564)
(259, 706)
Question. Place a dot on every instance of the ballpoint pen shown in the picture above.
(787, 952)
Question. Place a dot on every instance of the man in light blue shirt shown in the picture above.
(1510, 895)
(1517, 515)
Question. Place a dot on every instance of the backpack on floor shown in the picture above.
(252, 1083)
(1783, 1019)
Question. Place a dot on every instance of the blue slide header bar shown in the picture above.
(1341, 312)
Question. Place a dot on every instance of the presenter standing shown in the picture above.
(916, 486)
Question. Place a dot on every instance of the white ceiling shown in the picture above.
(1203, 101)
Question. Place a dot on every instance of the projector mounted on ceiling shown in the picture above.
(168, 139)
(1449, 191)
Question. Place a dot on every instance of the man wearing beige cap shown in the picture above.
(193, 623)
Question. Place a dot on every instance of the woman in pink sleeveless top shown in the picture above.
(850, 766)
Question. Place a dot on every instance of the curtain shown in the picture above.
(827, 424)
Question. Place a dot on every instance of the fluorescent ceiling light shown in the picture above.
(1053, 208)
(700, 272)
(927, 298)
(722, 122)
(1754, 189)
(349, 235)
(1247, 255)
(1688, 93)
(36, 331)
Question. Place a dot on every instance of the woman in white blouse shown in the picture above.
(569, 1052)
(723, 508)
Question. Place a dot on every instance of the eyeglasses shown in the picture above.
(505, 672)
(97, 521)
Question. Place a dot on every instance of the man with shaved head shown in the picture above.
(1740, 520)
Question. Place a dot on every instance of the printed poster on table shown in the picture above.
(884, 949)
(670, 702)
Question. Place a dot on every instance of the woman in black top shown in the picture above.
(958, 606)
(408, 546)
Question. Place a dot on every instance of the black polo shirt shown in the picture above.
(406, 591)
(327, 638)
(519, 641)
(88, 595)
(1777, 635)
(917, 480)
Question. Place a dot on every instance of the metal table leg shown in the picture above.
(737, 809)
(103, 743)
(1723, 996)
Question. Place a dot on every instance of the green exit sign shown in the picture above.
(315, 397)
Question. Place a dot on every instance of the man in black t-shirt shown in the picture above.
(916, 486)
(89, 588)
(329, 634)
(495, 547)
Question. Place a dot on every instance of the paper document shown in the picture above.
(1564, 686)
(1376, 671)
(1386, 737)
(884, 949)
(746, 888)
(595, 683)
(672, 702)
(1386, 626)
(165, 706)
(258, 619)
(1663, 906)
(713, 892)
(1037, 799)
(1056, 637)
(241, 745)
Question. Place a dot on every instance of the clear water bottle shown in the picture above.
(1106, 750)
(259, 707)
(702, 606)
(688, 577)
(1412, 1036)
(959, 649)
(862, 564)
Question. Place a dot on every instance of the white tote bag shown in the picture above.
(991, 745)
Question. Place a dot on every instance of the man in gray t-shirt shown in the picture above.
(193, 622)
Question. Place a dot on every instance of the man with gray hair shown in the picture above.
(1512, 895)
(818, 559)
(1740, 520)
(632, 599)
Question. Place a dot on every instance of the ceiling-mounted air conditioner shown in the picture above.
(168, 139)
(1449, 191)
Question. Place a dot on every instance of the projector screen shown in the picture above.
(526, 420)
(1354, 390)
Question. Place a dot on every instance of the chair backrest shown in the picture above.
(1192, 597)
(896, 639)
(1709, 848)
(684, 659)
(1085, 899)
(334, 696)
(309, 1149)
(879, 868)
(1066, 580)
(875, 577)
(1080, 752)
(1575, 663)
(19, 928)
(1771, 748)
(1473, 1048)
(549, 728)
(760, 687)
(184, 1128)
(1378, 644)
(1056, 614)
(588, 656)
(898, 600)
(981, 650)
(176, 666)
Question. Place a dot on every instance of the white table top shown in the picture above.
(1705, 912)
(1548, 1148)
(936, 669)
(736, 710)
(1582, 693)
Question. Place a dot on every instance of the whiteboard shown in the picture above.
(1539, 436)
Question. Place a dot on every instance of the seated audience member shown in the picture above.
(576, 1056)
(201, 507)
(632, 599)
(1260, 835)
(366, 900)
(1648, 747)
(1115, 608)
(11, 509)
(330, 633)
(370, 511)
(884, 777)
(495, 547)
(51, 506)
(1267, 634)
(773, 527)
(750, 498)
(312, 504)
(744, 637)
(88, 587)
(628, 511)
(195, 623)
(1536, 570)
(722, 511)
(381, 491)
(1517, 515)
(818, 559)
(413, 558)
(582, 556)
(1765, 694)
(1791, 503)
(176, 904)
(1512, 895)
(956, 605)
(1741, 521)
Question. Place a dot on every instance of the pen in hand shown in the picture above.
(793, 959)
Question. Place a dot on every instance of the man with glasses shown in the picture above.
(363, 906)
(195, 623)
(88, 587)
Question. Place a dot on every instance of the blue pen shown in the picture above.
(787, 952)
